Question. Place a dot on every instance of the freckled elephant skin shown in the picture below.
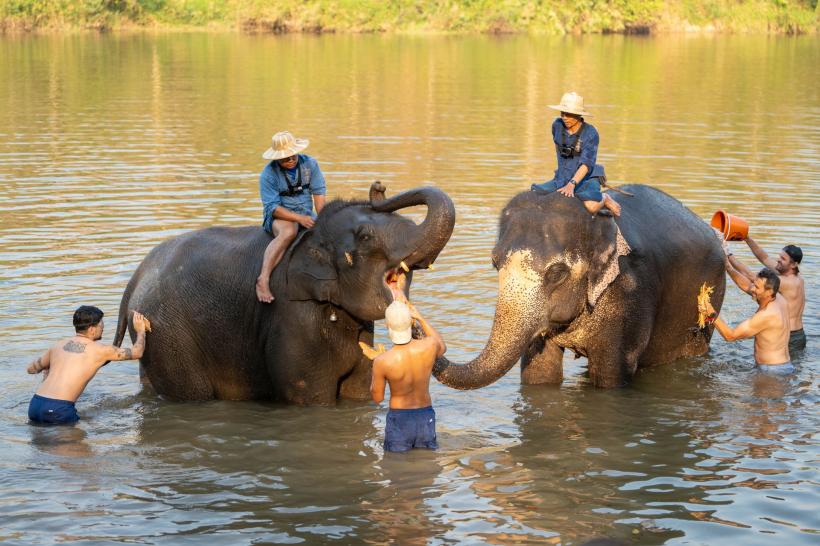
(212, 339)
(568, 280)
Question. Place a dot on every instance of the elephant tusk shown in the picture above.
(404, 266)
(431, 268)
(349, 258)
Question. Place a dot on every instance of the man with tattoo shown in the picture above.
(71, 363)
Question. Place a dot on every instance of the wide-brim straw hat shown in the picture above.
(572, 103)
(284, 144)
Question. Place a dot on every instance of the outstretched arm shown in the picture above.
(135, 352)
(746, 329)
(761, 254)
(741, 280)
(741, 268)
(428, 330)
(42, 363)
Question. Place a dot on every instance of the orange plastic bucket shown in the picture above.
(734, 228)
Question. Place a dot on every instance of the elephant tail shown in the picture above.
(122, 321)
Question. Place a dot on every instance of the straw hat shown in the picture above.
(572, 103)
(284, 144)
(399, 323)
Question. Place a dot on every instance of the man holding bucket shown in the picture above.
(791, 284)
(769, 326)
(792, 287)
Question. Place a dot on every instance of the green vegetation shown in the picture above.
(494, 16)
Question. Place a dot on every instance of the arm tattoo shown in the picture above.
(74, 347)
(124, 354)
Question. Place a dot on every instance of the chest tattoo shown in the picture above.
(74, 347)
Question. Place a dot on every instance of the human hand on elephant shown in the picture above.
(707, 309)
(568, 189)
(307, 221)
(141, 324)
(371, 352)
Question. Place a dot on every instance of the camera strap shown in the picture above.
(576, 145)
(293, 189)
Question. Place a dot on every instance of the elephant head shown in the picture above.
(554, 261)
(360, 253)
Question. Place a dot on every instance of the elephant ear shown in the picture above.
(604, 267)
(311, 274)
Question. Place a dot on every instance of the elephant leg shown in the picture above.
(614, 364)
(542, 363)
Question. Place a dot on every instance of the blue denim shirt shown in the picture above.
(272, 182)
(568, 166)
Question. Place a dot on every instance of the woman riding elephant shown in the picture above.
(622, 292)
(214, 339)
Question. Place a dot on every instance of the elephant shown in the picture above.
(620, 291)
(212, 339)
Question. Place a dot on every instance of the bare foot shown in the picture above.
(612, 205)
(263, 292)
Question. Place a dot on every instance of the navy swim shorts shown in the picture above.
(409, 428)
(51, 411)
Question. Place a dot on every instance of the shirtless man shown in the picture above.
(769, 325)
(791, 285)
(411, 420)
(71, 363)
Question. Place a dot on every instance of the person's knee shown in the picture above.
(286, 231)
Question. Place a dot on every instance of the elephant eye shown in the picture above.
(363, 234)
(557, 273)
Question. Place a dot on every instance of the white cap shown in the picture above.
(399, 323)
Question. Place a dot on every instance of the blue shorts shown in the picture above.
(587, 190)
(51, 411)
(409, 428)
(776, 369)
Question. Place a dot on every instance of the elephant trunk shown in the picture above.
(515, 322)
(426, 240)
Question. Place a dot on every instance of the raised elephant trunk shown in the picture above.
(426, 240)
(516, 318)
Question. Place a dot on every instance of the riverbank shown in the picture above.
(419, 16)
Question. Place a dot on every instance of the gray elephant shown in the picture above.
(212, 339)
(622, 292)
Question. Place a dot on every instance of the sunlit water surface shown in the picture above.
(109, 145)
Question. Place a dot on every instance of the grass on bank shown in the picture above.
(494, 16)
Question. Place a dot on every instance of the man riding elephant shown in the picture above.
(290, 186)
(216, 340)
(576, 148)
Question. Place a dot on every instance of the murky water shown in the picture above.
(108, 145)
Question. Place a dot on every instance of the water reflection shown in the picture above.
(111, 144)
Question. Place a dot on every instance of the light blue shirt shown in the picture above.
(273, 189)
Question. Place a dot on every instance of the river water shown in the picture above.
(111, 144)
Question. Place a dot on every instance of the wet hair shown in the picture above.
(772, 280)
(795, 253)
(86, 316)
